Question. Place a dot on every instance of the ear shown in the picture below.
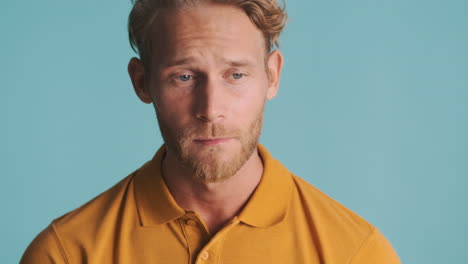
(136, 71)
(275, 64)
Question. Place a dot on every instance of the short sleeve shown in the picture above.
(376, 249)
(45, 248)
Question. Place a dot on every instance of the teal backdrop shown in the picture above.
(372, 109)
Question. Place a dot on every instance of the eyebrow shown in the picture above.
(178, 62)
(190, 60)
(238, 63)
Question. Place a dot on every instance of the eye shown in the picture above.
(184, 78)
(237, 75)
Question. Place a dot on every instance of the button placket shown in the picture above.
(191, 222)
(210, 252)
(204, 255)
(194, 234)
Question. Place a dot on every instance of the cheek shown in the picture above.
(250, 108)
(176, 110)
(254, 96)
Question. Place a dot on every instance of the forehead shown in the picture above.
(208, 29)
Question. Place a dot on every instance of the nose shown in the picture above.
(210, 101)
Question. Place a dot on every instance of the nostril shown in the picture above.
(202, 117)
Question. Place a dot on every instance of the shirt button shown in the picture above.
(191, 222)
(205, 255)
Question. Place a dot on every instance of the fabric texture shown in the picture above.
(287, 220)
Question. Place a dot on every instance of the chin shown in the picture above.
(216, 153)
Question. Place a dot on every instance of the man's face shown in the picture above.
(209, 83)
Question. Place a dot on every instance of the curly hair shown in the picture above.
(268, 15)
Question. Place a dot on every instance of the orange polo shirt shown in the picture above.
(286, 220)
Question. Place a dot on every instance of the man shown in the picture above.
(211, 194)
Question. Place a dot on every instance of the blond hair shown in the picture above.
(267, 15)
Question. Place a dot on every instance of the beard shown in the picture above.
(205, 162)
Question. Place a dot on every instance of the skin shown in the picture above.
(208, 82)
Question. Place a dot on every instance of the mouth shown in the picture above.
(211, 141)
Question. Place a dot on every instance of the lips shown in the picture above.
(211, 141)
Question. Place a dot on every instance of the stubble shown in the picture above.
(204, 161)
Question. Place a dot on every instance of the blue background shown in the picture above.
(372, 110)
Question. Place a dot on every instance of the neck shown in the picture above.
(216, 203)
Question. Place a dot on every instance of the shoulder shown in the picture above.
(326, 208)
(93, 213)
(375, 249)
(45, 248)
(81, 226)
(359, 240)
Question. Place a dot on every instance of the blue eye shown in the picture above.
(237, 75)
(184, 78)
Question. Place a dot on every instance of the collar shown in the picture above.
(267, 205)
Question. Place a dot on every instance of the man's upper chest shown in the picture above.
(185, 240)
